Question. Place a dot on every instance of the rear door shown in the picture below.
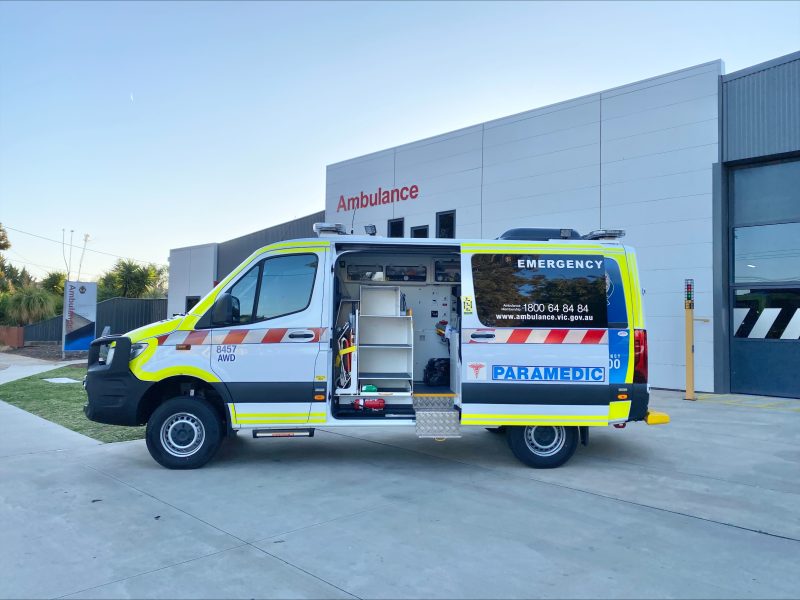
(620, 319)
(534, 334)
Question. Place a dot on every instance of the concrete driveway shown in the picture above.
(15, 366)
(706, 507)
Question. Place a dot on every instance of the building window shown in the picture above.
(772, 314)
(395, 228)
(766, 193)
(446, 224)
(766, 253)
(419, 232)
(191, 302)
(765, 240)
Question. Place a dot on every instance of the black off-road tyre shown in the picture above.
(543, 446)
(184, 433)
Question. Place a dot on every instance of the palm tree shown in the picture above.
(30, 304)
(131, 279)
(154, 291)
(53, 282)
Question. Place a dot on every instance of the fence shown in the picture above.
(121, 314)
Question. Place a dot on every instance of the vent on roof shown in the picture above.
(540, 234)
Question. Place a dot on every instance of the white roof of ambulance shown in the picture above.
(378, 241)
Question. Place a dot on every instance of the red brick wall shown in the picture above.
(12, 336)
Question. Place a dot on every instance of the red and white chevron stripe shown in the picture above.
(537, 336)
(274, 335)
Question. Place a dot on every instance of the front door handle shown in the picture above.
(301, 334)
(482, 336)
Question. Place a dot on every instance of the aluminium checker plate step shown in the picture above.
(436, 416)
(438, 424)
(434, 401)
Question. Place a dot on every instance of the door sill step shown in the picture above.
(262, 433)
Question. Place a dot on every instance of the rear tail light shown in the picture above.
(639, 356)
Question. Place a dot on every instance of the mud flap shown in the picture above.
(584, 433)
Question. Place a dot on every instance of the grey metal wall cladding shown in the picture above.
(233, 252)
(761, 109)
(121, 314)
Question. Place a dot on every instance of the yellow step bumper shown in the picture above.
(656, 418)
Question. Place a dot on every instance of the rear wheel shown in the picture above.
(543, 446)
(184, 433)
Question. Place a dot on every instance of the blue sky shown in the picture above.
(153, 125)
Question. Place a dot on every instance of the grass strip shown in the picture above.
(62, 403)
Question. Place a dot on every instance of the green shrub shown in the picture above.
(5, 319)
(30, 304)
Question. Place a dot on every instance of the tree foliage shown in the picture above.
(4, 318)
(4, 243)
(24, 301)
(128, 279)
(12, 278)
(21, 301)
(30, 304)
(53, 282)
(5, 283)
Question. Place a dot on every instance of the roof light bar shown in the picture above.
(605, 234)
(326, 229)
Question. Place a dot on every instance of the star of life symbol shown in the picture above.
(476, 368)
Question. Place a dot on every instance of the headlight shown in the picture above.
(137, 349)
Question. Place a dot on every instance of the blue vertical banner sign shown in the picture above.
(80, 314)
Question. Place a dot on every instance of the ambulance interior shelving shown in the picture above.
(396, 330)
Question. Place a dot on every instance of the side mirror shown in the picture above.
(225, 310)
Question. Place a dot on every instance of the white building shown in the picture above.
(637, 157)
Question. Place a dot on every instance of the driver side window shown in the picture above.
(244, 297)
(287, 283)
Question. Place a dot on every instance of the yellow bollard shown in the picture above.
(688, 305)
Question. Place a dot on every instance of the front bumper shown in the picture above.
(114, 392)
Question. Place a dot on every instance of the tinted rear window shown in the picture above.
(615, 295)
(540, 290)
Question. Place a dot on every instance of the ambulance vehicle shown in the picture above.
(538, 334)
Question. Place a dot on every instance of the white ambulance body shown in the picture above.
(539, 338)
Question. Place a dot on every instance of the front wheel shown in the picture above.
(543, 446)
(183, 433)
